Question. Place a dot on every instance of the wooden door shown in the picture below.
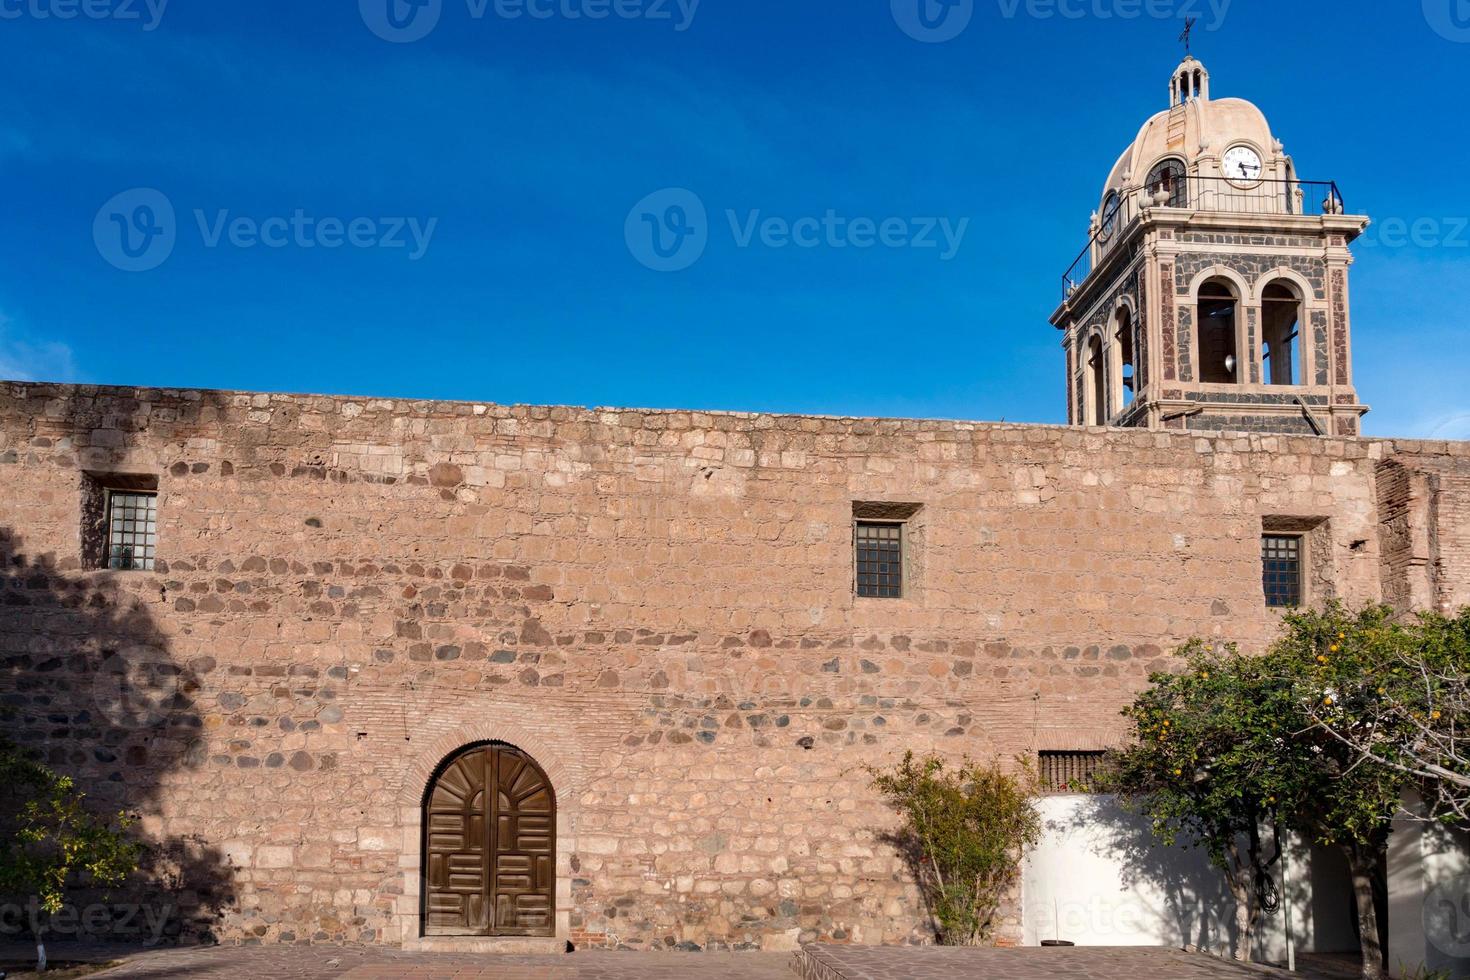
(490, 846)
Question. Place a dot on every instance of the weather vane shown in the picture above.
(1188, 31)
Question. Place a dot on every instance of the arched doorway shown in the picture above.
(489, 845)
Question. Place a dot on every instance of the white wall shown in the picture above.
(1098, 878)
(1429, 900)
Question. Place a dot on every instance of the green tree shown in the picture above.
(1344, 798)
(49, 842)
(964, 831)
(1209, 767)
(1409, 708)
(1233, 746)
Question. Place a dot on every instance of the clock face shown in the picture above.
(1110, 216)
(1242, 166)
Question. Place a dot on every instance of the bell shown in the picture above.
(1230, 363)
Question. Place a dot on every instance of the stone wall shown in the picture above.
(658, 606)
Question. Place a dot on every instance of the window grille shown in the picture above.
(880, 560)
(132, 530)
(1072, 772)
(1281, 569)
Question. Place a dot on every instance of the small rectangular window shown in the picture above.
(1281, 569)
(1070, 772)
(132, 530)
(880, 559)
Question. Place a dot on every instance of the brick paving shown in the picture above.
(379, 963)
(941, 963)
(814, 963)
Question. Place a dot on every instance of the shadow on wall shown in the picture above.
(1100, 878)
(1112, 883)
(91, 687)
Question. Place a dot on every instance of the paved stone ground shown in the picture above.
(820, 963)
(378, 963)
(938, 963)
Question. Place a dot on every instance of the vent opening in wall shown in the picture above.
(1070, 771)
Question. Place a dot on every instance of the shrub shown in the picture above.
(963, 833)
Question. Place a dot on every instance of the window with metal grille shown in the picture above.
(1069, 772)
(1281, 569)
(132, 530)
(880, 560)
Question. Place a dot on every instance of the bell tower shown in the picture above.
(1213, 291)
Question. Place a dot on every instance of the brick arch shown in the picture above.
(407, 922)
(1124, 301)
(428, 759)
(1282, 273)
(1247, 295)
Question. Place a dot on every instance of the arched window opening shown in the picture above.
(1125, 368)
(1219, 360)
(1168, 176)
(1280, 335)
(1096, 397)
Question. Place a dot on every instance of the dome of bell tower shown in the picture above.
(1195, 133)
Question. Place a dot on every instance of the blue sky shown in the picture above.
(519, 145)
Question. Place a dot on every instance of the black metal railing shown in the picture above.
(1298, 197)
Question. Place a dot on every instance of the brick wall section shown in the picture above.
(1403, 533)
(1424, 520)
(1453, 529)
(658, 603)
